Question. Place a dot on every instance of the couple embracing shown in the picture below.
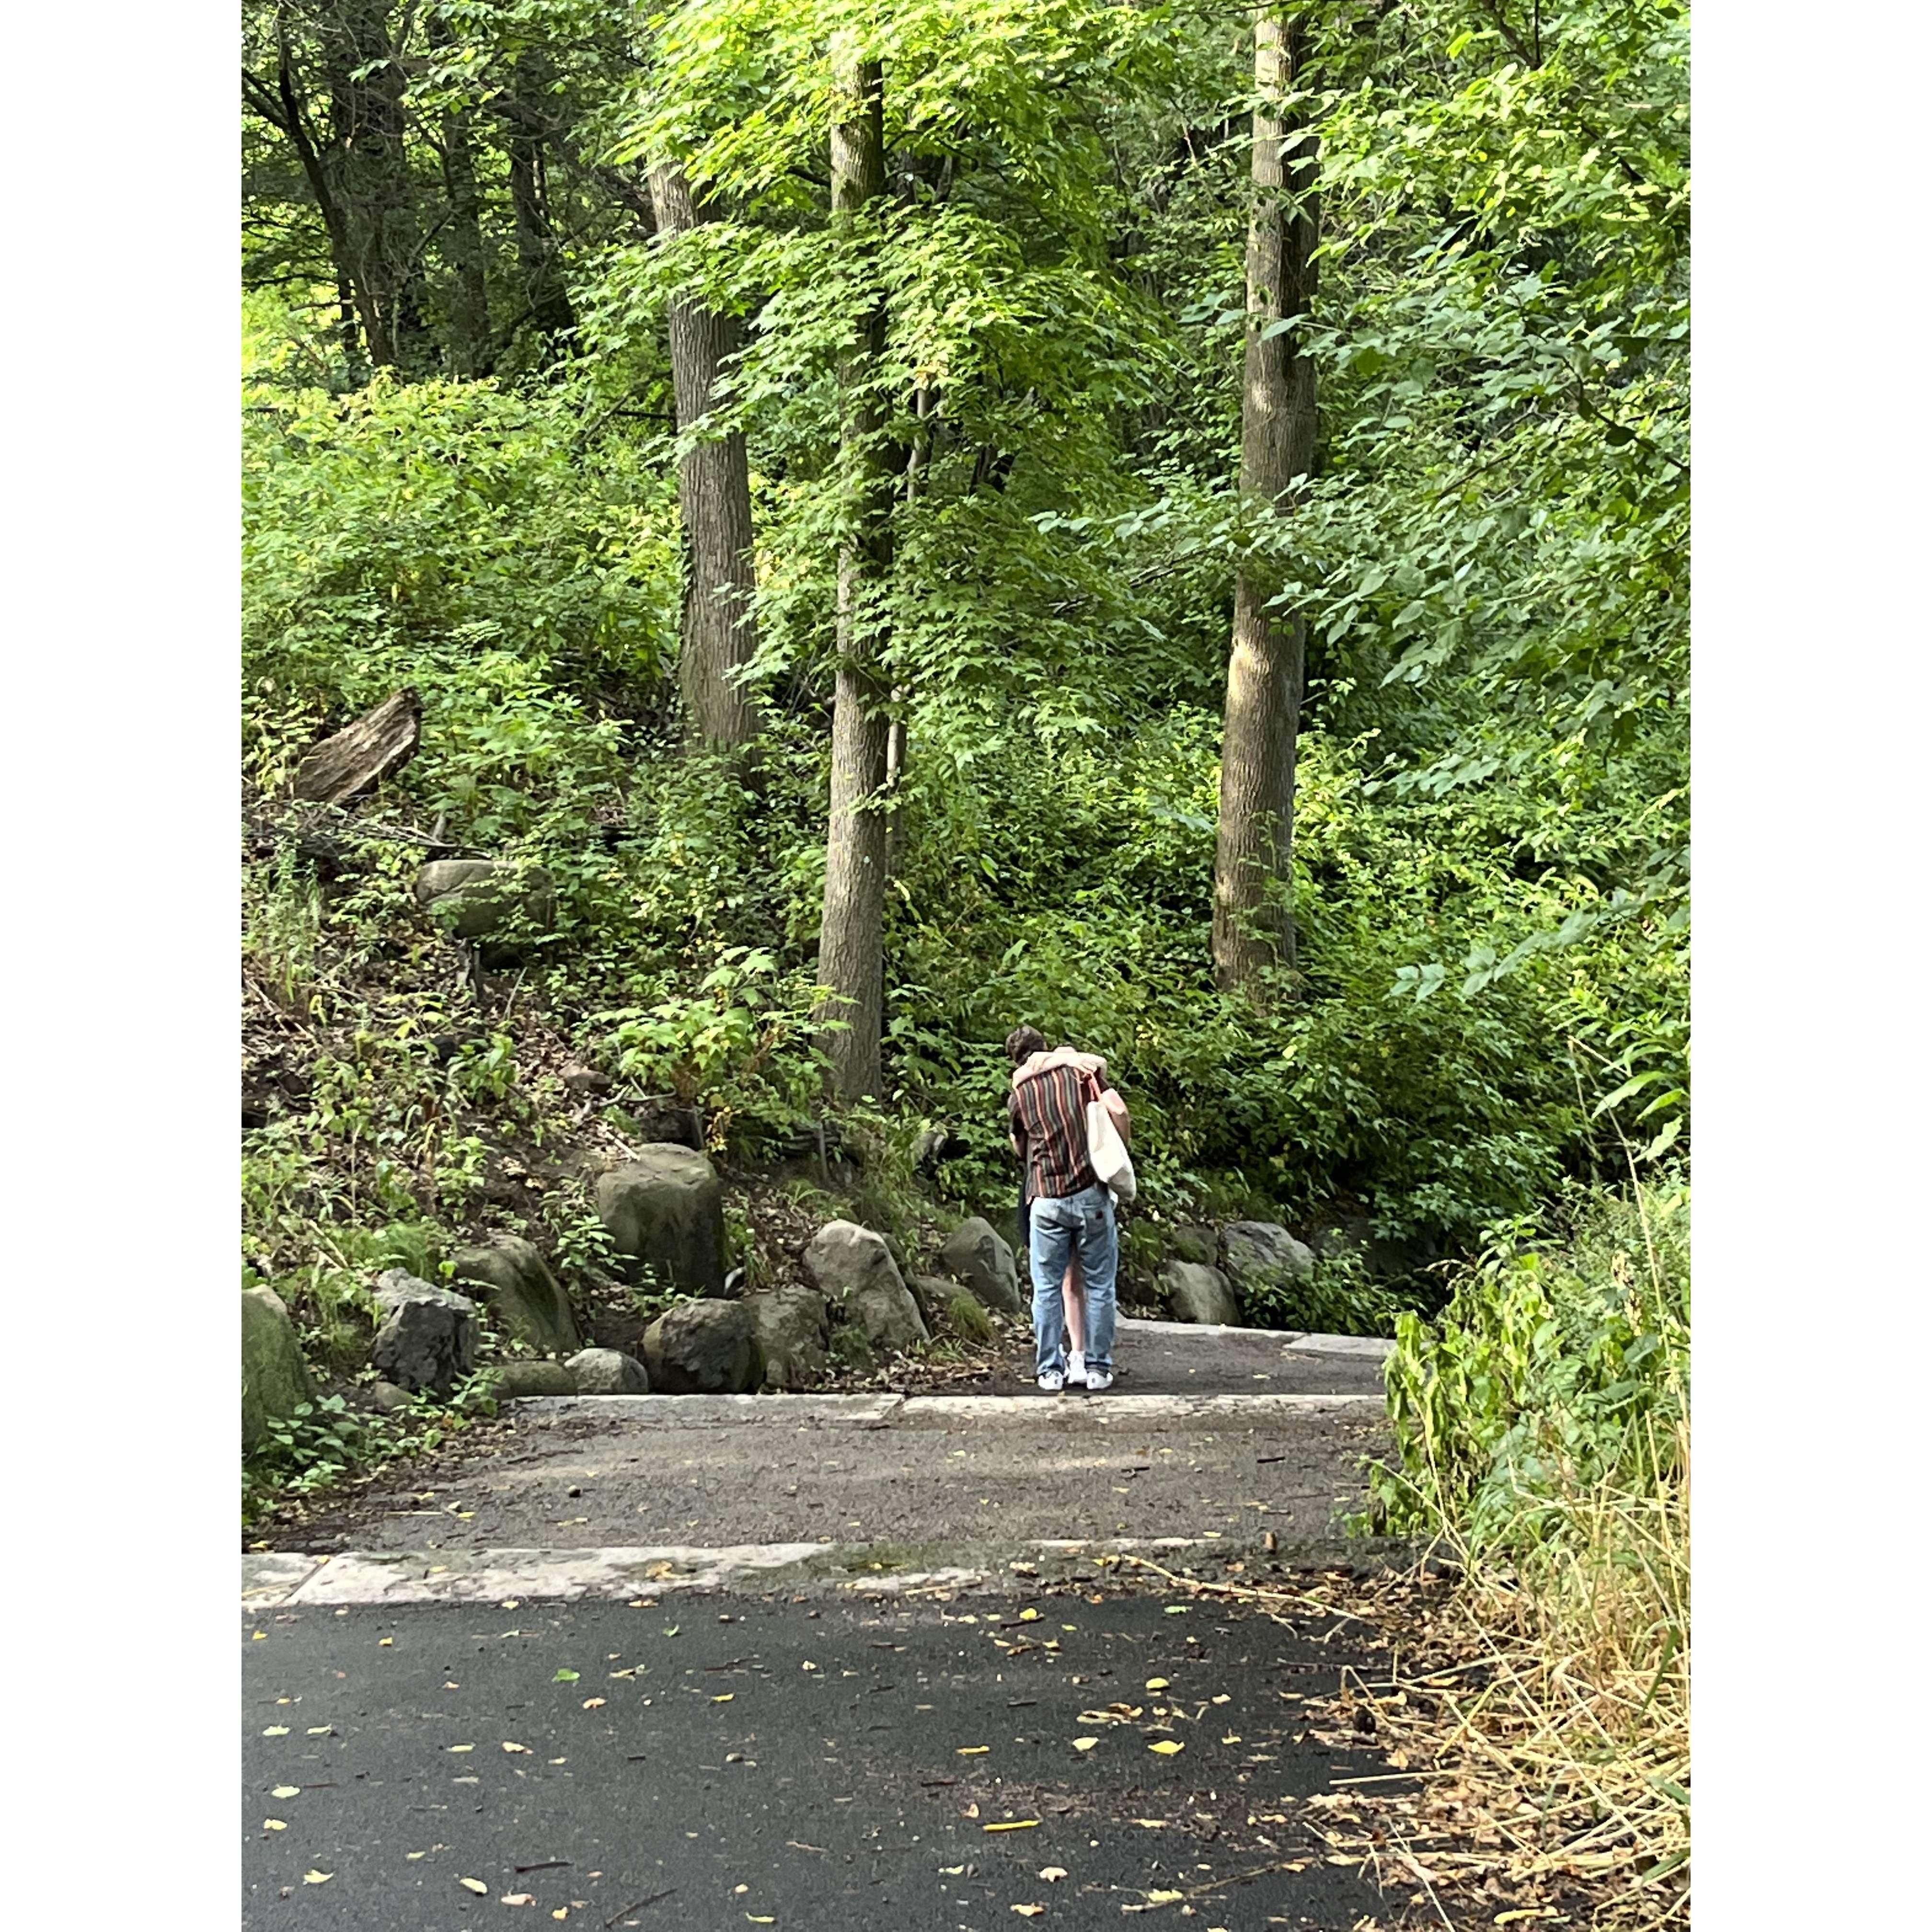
(1064, 1115)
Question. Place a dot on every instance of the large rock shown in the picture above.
(1197, 1294)
(665, 1211)
(1197, 1245)
(889, 1315)
(703, 1348)
(501, 907)
(976, 1254)
(791, 1325)
(853, 1267)
(523, 1294)
(1261, 1258)
(607, 1372)
(515, 1379)
(427, 1339)
(275, 1377)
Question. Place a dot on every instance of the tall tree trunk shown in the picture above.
(549, 308)
(718, 632)
(851, 936)
(471, 349)
(1255, 848)
(920, 456)
(366, 84)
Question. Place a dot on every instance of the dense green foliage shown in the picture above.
(1490, 872)
(1557, 1370)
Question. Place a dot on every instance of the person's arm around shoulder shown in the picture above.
(1110, 1097)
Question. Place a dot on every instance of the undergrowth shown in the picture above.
(1542, 1433)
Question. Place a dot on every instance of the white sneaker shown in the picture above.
(1076, 1367)
(1098, 1379)
(1051, 1384)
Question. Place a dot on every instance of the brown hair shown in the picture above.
(1024, 1040)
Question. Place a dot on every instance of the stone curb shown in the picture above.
(1297, 1341)
(933, 1412)
(276, 1580)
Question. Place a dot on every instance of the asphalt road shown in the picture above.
(783, 1472)
(718, 1763)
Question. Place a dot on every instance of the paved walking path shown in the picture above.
(825, 1647)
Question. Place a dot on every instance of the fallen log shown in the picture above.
(360, 756)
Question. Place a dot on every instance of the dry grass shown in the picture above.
(1545, 1714)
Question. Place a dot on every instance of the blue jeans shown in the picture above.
(1082, 1223)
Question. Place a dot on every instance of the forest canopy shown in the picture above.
(702, 408)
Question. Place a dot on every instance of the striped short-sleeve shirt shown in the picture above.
(1048, 1111)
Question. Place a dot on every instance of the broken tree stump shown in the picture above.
(376, 746)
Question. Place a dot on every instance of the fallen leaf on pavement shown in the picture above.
(1167, 1747)
(1165, 1897)
(1028, 1615)
(1029, 1911)
(321, 1730)
(1053, 1874)
(1013, 1825)
(508, 1747)
(385, 1641)
(973, 1750)
(273, 1825)
(593, 1703)
(476, 1885)
(1084, 1744)
(286, 1791)
(317, 1877)
(519, 1898)
(725, 1698)
(459, 1747)
(1156, 1684)
(276, 1731)
(564, 1677)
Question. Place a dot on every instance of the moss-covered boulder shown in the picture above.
(275, 1377)
(526, 1299)
(704, 1348)
(665, 1213)
(977, 1254)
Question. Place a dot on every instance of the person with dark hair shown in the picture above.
(1069, 1214)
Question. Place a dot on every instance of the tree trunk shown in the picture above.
(471, 349)
(923, 402)
(851, 936)
(718, 631)
(367, 85)
(1255, 848)
(549, 309)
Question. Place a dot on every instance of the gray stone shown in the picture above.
(703, 1348)
(523, 1294)
(890, 1316)
(1197, 1245)
(976, 1254)
(502, 907)
(606, 1372)
(519, 1378)
(427, 1339)
(665, 1211)
(275, 1377)
(843, 1258)
(852, 1266)
(387, 1398)
(791, 1325)
(1197, 1294)
(1262, 1255)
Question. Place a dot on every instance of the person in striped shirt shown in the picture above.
(1071, 1213)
